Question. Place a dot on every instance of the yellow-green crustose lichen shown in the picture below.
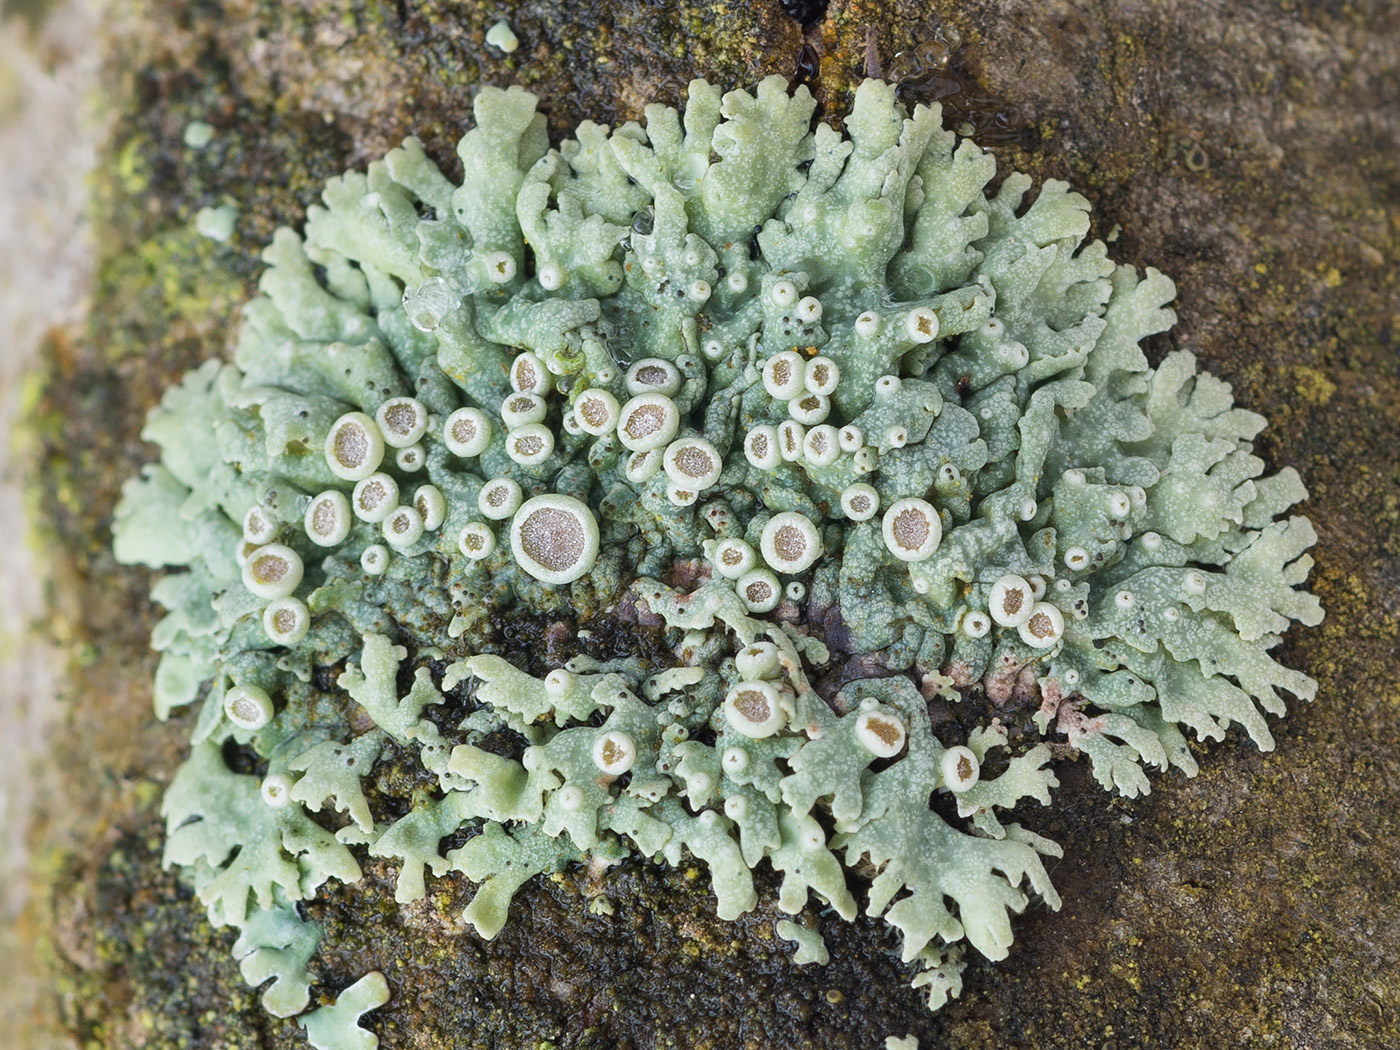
(851, 433)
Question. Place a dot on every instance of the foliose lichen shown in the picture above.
(851, 433)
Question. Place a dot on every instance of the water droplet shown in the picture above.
(429, 303)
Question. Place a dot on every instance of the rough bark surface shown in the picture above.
(1250, 149)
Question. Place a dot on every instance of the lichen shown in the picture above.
(853, 432)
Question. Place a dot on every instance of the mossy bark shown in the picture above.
(1250, 150)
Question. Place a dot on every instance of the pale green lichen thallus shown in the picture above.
(813, 401)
